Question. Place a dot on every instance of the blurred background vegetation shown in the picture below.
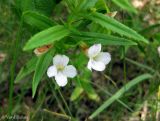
(139, 103)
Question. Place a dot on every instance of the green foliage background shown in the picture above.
(71, 25)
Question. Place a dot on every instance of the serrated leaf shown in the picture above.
(76, 93)
(47, 36)
(119, 93)
(125, 4)
(41, 67)
(37, 20)
(26, 70)
(93, 37)
(112, 24)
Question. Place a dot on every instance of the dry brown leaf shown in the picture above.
(41, 50)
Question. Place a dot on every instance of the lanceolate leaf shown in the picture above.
(37, 20)
(92, 38)
(125, 4)
(26, 70)
(41, 67)
(47, 36)
(118, 94)
(112, 24)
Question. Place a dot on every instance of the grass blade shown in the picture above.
(140, 65)
(118, 94)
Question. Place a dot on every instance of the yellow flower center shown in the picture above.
(60, 67)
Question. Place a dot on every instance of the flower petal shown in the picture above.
(60, 60)
(52, 71)
(70, 71)
(104, 57)
(98, 66)
(94, 50)
(158, 50)
(89, 65)
(61, 79)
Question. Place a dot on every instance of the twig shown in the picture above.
(58, 114)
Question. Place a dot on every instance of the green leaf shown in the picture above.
(26, 70)
(118, 94)
(101, 5)
(41, 6)
(125, 4)
(86, 4)
(89, 90)
(44, 6)
(47, 36)
(112, 24)
(80, 5)
(92, 38)
(76, 93)
(25, 5)
(37, 20)
(71, 4)
(41, 67)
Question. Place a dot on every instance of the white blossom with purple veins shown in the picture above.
(60, 70)
(97, 59)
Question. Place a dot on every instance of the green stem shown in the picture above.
(16, 46)
(56, 97)
(64, 101)
(124, 66)
(58, 114)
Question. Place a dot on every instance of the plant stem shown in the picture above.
(58, 114)
(124, 66)
(56, 97)
(15, 49)
(64, 101)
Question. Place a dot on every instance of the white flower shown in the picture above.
(158, 50)
(97, 59)
(60, 70)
